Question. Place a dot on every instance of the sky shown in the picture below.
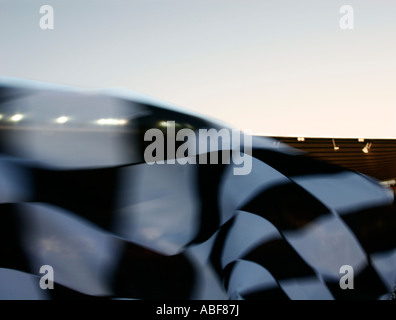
(276, 67)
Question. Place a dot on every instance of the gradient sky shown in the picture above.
(278, 67)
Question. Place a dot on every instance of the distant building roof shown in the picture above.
(373, 157)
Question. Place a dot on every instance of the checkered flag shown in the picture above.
(76, 194)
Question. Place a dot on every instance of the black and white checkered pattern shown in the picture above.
(81, 199)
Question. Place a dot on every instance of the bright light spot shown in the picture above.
(163, 123)
(300, 139)
(367, 147)
(16, 117)
(168, 124)
(62, 119)
(1, 116)
(361, 140)
(388, 183)
(112, 122)
(335, 146)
